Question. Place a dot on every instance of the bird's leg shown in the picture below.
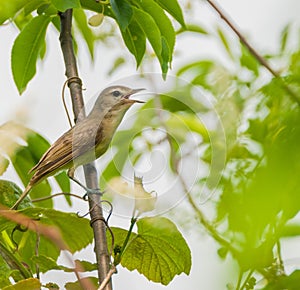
(70, 174)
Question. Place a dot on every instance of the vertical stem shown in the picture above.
(101, 250)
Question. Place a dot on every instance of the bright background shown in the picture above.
(40, 108)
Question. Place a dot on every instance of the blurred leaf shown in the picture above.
(247, 60)
(8, 9)
(9, 194)
(117, 64)
(225, 42)
(4, 163)
(32, 5)
(173, 8)
(63, 5)
(290, 230)
(77, 285)
(84, 29)
(192, 28)
(179, 125)
(158, 251)
(123, 12)
(27, 284)
(75, 231)
(46, 264)
(290, 282)
(23, 158)
(26, 49)
(284, 37)
(21, 19)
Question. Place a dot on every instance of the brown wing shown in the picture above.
(69, 147)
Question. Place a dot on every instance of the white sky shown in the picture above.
(40, 108)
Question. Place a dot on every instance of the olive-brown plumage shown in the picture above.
(87, 140)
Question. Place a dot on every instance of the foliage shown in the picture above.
(158, 250)
(250, 154)
(138, 21)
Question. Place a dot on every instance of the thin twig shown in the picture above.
(91, 176)
(247, 279)
(252, 50)
(239, 280)
(107, 278)
(55, 195)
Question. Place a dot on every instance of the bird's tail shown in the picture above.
(23, 195)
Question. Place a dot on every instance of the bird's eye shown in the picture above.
(116, 93)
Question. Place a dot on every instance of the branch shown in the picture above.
(251, 49)
(74, 83)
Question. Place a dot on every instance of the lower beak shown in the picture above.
(134, 91)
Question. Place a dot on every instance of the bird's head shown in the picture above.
(115, 98)
(114, 95)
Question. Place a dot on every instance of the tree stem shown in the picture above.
(96, 213)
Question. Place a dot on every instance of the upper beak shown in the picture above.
(134, 91)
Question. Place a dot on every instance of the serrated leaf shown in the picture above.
(84, 29)
(46, 264)
(63, 5)
(123, 12)
(28, 284)
(135, 40)
(173, 8)
(26, 49)
(158, 251)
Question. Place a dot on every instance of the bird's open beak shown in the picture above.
(134, 91)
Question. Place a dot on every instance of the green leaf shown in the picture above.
(78, 286)
(46, 264)
(225, 42)
(3, 164)
(150, 29)
(84, 29)
(247, 60)
(163, 23)
(63, 5)
(284, 37)
(8, 9)
(135, 40)
(158, 251)
(26, 49)
(173, 8)
(75, 231)
(123, 12)
(9, 194)
(28, 284)
(290, 282)
(192, 28)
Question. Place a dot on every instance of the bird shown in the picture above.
(87, 140)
